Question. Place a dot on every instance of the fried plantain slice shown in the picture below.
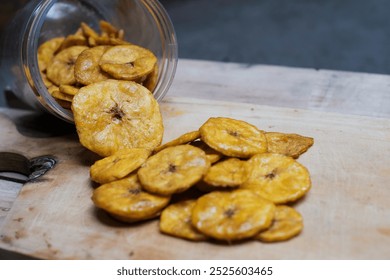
(212, 155)
(46, 52)
(175, 220)
(73, 40)
(118, 165)
(228, 173)
(63, 103)
(61, 70)
(108, 29)
(87, 69)
(232, 215)
(173, 170)
(152, 79)
(128, 62)
(68, 89)
(183, 139)
(126, 201)
(277, 177)
(88, 31)
(286, 224)
(112, 115)
(231, 137)
(289, 144)
(61, 96)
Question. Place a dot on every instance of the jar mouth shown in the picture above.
(167, 61)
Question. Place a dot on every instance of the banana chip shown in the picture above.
(183, 139)
(173, 170)
(73, 40)
(61, 69)
(70, 90)
(46, 52)
(292, 145)
(127, 202)
(62, 96)
(212, 155)
(87, 69)
(152, 79)
(113, 115)
(118, 165)
(232, 215)
(175, 220)
(287, 223)
(228, 173)
(128, 62)
(233, 138)
(277, 177)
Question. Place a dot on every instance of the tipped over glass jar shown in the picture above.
(145, 23)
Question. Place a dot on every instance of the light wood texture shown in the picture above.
(346, 213)
(321, 90)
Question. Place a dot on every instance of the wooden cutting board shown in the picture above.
(346, 213)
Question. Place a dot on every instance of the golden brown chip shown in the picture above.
(288, 144)
(128, 62)
(73, 40)
(69, 90)
(87, 69)
(88, 31)
(118, 165)
(233, 138)
(183, 139)
(228, 173)
(62, 96)
(108, 28)
(113, 115)
(173, 170)
(277, 177)
(61, 70)
(212, 155)
(46, 52)
(232, 215)
(152, 79)
(126, 201)
(286, 224)
(175, 220)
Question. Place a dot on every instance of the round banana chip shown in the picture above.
(61, 69)
(212, 155)
(128, 62)
(73, 40)
(233, 138)
(46, 52)
(87, 69)
(68, 89)
(292, 145)
(277, 177)
(113, 115)
(173, 170)
(183, 139)
(175, 220)
(152, 79)
(118, 165)
(62, 96)
(228, 173)
(287, 223)
(232, 215)
(127, 202)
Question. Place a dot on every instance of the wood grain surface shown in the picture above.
(346, 213)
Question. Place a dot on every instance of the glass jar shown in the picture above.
(145, 23)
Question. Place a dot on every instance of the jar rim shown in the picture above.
(29, 58)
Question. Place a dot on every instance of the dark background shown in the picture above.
(352, 35)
